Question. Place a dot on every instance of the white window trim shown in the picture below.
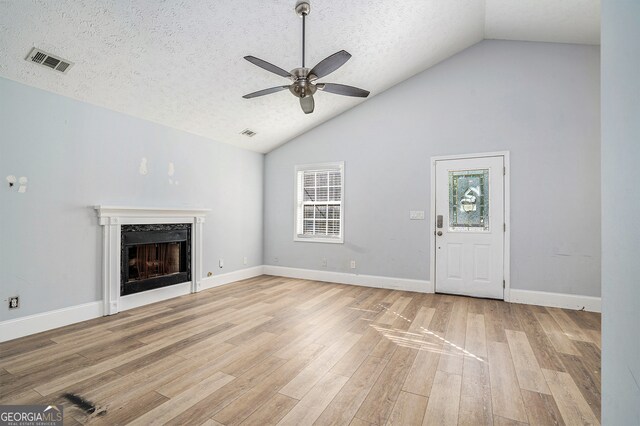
(296, 201)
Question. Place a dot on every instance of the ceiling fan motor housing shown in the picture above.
(301, 86)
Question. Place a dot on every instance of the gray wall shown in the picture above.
(621, 209)
(540, 101)
(76, 155)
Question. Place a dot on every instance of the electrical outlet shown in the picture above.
(14, 302)
(324, 262)
(245, 261)
(353, 264)
(276, 260)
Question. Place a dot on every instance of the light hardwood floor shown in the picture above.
(273, 350)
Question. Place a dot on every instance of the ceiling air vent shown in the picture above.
(48, 60)
(247, 132)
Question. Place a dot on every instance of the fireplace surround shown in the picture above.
(171, 252)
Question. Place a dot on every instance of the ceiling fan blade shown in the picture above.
(307, 104)
(267, 66)
(265, 92)
(330, 64)
(342, 89)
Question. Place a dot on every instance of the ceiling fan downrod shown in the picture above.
(303, 8)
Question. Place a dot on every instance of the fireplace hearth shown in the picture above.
(154, 256)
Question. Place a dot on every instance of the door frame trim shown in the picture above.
(507, 217)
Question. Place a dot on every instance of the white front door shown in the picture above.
(470, 226)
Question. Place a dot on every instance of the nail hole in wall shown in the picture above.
(143, 166)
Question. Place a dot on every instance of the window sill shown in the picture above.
(319, 240)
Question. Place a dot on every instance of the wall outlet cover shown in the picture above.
(14, 302)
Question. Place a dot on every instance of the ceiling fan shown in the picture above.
(303, 79)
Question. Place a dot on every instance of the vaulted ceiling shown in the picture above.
(179, 62)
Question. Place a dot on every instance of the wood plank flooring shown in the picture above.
(272, 350)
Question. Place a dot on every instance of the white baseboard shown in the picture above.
(540, 298)
(555, 300)
(405, 284)
(230, 277)
(20, 327)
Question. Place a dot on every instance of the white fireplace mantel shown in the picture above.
(112, 218)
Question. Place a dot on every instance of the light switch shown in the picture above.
(416, 215)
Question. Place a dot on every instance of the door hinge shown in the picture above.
(504, 227)
(504, 284)
(504, 171)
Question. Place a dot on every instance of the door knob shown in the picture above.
(439, 233)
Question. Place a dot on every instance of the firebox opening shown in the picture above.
(154, 256)
(155, 260)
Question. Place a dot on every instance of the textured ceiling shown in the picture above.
(180, 63)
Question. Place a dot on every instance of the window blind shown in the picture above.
(319, 202)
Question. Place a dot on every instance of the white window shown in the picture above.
(319, 203)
